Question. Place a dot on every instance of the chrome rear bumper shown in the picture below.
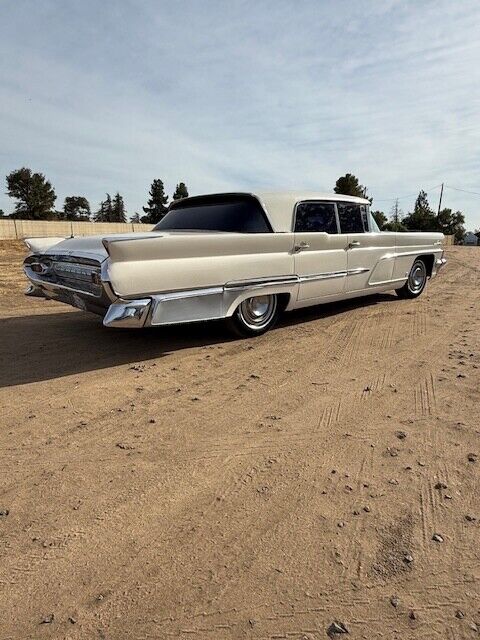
(129, 314)
(195, 305)
(439, 263)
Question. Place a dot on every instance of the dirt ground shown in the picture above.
(176, 483)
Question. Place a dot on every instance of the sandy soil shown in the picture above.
(180, 484)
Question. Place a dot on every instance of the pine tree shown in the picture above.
(75, 208)
(348, 185)
(119, 213)
(104, 213)
(422, 217)
(181, 191)
(35, 195)
(156, 207)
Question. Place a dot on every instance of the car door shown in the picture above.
(320, 256)
(369, 251)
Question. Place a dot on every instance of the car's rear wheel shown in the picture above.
(254, 315)
(417, 279)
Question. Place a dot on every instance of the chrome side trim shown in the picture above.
(419, 252)
(354, 272)
(261, 282)
(382, 282)
(188, 293)
(322, 276)
(391, 255)
(333, 274)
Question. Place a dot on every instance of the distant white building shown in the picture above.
(470, 238)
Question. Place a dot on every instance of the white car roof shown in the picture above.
(279, 205)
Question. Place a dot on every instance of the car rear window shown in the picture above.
(234, 214)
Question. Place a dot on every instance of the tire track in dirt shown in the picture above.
(425, 397)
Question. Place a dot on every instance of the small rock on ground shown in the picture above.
(336, 628)
(394, 601)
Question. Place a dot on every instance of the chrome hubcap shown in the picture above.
(417, 277)
(257, 312)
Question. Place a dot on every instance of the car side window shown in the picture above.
(351, 218)
(316, 216)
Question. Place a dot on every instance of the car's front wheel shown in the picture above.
(254, 315)
(417, 279)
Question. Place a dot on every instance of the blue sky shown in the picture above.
(243, 94)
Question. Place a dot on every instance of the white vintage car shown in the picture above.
(243, 257)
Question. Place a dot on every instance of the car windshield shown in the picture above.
(234, 214)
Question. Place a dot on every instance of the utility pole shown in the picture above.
(440, 201)
(396, 212)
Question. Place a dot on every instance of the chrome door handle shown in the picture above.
(355, 243)
(301, 247)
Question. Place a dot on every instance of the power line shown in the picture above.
(410, 195)
(473, 193)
